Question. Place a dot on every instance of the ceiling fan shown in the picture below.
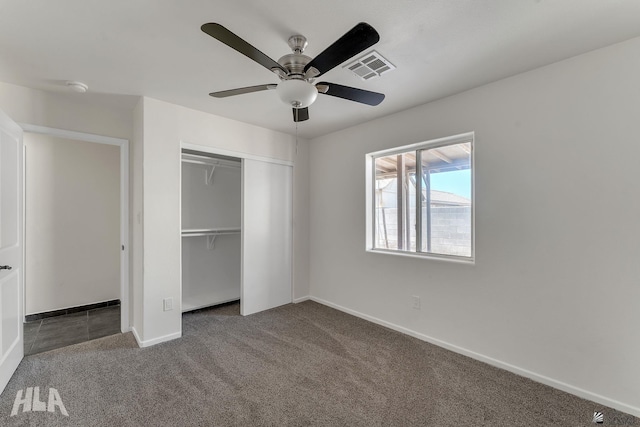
(297, 72)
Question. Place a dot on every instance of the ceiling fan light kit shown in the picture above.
(297, 93)
(297, 72)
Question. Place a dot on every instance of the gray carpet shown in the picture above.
(296, 365)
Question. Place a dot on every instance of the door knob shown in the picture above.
(5, 267)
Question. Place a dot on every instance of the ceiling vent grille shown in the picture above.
(370, 66)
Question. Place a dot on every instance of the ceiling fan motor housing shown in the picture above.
(294, 63)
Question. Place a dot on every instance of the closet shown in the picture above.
(237, 229)
(211, 232)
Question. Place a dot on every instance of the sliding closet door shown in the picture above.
(266, 236)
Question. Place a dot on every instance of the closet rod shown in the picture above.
(213, 233)
(210, 232)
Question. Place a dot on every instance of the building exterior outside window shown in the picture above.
(420, 199)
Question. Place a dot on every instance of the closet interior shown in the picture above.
(211, 229)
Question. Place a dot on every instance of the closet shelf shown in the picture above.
(204, 160)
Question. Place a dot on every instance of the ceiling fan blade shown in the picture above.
(300, 114)
(240, 91)
(352, 43)
(352, 94)
(222, 34)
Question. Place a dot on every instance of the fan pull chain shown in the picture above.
(296, 139)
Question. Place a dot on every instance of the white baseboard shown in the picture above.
(154, 341)
(301, 299)
(136, 336)
(585, 394)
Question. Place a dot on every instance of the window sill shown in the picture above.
(421, 255)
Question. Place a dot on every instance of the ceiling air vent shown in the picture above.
(370, 65)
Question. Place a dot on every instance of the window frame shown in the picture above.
(370, 180)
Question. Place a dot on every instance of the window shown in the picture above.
(420, 199)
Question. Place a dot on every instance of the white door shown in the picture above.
(266, 236)
(11, 273)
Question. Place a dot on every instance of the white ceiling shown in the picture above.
(156, 48)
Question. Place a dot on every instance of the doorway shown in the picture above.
(76, 237)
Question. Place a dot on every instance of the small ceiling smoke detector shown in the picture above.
(77, 87)
(370, 65)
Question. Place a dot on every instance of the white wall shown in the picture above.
(301, 221)
(72, 224)
(164, 127)
(555, 291)
(76, 112)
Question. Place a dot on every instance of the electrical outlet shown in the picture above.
(167, 304)
(415, 302)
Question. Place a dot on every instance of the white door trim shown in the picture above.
(232, 153)
(125, 324)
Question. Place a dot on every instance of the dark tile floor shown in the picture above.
(61, 331)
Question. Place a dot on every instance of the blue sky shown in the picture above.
(457, 182)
